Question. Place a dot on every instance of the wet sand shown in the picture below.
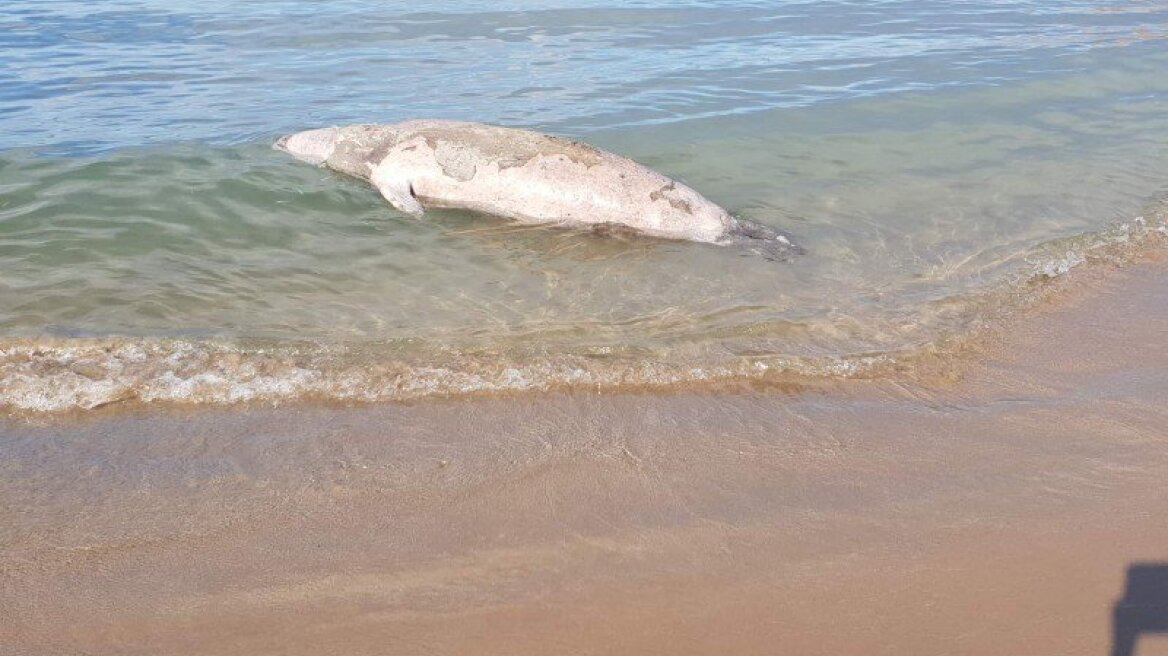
(993, 511)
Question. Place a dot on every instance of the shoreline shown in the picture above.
(66, 377)
(988, 513)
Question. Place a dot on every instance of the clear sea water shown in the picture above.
(933, 158)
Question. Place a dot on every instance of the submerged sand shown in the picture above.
(996, 512)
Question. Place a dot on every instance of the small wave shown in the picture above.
(59, 374)
(1116, 244)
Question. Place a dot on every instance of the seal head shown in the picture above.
(312, 146)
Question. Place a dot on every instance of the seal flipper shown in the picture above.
(397, 190)
(401, 196)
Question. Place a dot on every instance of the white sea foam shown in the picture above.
(1119, 242)
(55, 376)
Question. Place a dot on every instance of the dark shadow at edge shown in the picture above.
(1143, 607)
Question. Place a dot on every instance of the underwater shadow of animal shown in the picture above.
(1142, 609)
(588, 242)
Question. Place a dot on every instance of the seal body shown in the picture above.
(522, 175)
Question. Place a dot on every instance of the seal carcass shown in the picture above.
(522, 175)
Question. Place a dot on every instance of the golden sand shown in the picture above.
(994, 514)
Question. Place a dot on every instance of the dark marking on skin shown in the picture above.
(508, 148)
(512, 163)
(457, 163)
(582, 149)
(457, 171)
(665, 193)
(459, 150)
(380, 152)
(352, 157)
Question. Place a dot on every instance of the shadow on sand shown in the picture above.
(1143, 607)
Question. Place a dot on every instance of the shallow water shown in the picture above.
(932, 160)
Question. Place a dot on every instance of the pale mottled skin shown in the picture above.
(521, 175)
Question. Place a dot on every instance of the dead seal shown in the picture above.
(525, 176)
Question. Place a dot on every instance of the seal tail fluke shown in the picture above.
(761, 240)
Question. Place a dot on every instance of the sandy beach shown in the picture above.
(995, 510)
(249, 407)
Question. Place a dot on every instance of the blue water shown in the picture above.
(927, 155)
(85, 77)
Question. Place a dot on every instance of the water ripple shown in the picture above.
(153, 246)
(143, 71)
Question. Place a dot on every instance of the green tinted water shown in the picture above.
(913, 200)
